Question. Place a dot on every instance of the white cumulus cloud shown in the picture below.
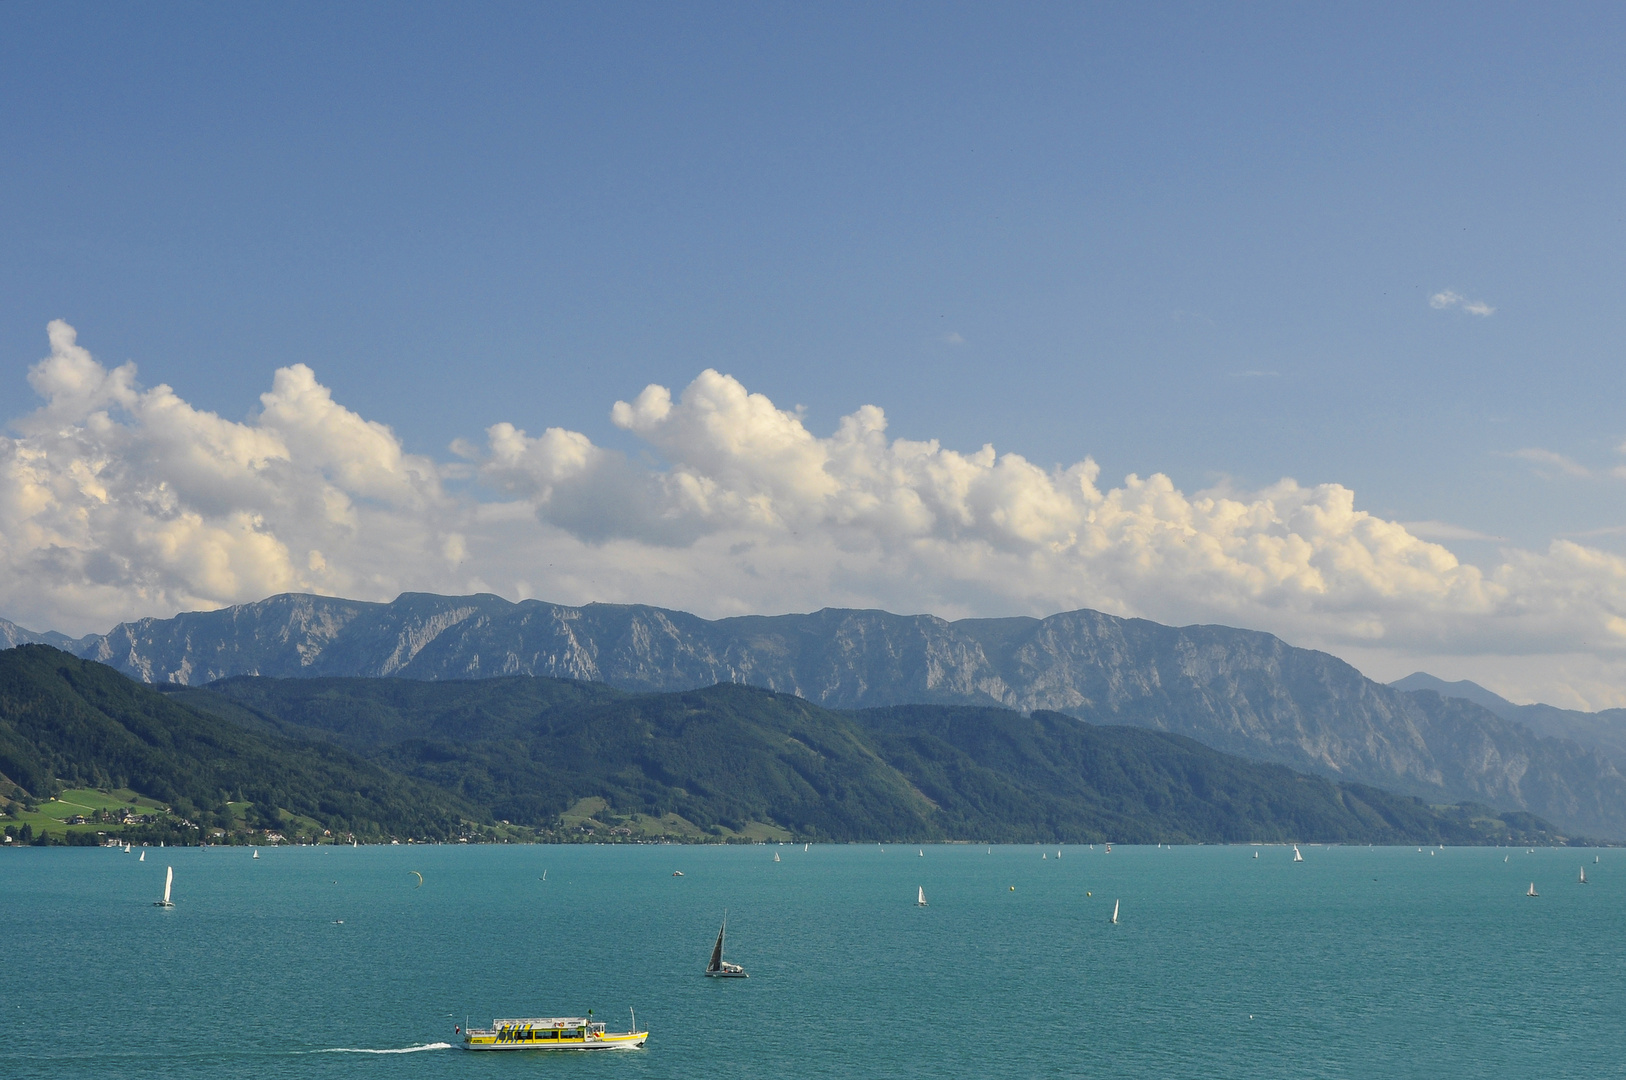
(118, 501)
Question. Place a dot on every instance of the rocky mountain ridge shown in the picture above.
(1604, 730)
(1240, 691)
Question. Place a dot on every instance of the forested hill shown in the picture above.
(70, 723)
(730, 760)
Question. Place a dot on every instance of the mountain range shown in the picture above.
(524, 756)
(1239, 691)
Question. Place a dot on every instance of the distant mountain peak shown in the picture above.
(1462, 688)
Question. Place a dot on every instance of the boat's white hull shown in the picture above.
(727, 975)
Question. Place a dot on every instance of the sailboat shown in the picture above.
(1505, 858)
(921, 852)
(1115, 913)
(1583, 875)
(256, 853)
(719, 968)
(143, 857)
(776, 856)
(1256, 854)
(1043, 855)
(1532, 891)
(804, 847)
(1296, 856)
(922, 901)
(169, 880)
(1594, 858)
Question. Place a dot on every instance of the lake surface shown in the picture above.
(1358, 962)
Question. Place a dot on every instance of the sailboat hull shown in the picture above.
(727, 975)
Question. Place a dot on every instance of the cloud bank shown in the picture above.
(118, 501)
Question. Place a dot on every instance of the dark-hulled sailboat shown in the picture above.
(719, 968)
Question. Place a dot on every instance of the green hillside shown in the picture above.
(67, 723)
(577, 759)
(529, 749)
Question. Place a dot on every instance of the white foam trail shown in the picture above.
(401, 1050)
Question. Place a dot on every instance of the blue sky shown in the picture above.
(1191, 240)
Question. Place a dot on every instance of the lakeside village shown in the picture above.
(97, 817)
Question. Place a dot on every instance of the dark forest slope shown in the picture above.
(69, 722)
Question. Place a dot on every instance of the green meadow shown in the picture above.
(51, 815)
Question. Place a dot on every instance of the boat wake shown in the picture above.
(400, 1050)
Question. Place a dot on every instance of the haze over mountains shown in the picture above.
(1239, 691)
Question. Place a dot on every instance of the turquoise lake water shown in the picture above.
(1358, 962)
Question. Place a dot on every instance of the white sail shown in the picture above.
(1583, 875)
(143, 857)
(256, 853)
(1296, 856)
(1532, 891)
(776, 856)
(922, 901)
(1115, 913)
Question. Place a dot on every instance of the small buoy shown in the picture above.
(1013, 888)
(1089, 894)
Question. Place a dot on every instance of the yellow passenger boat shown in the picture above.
(553, 1033)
